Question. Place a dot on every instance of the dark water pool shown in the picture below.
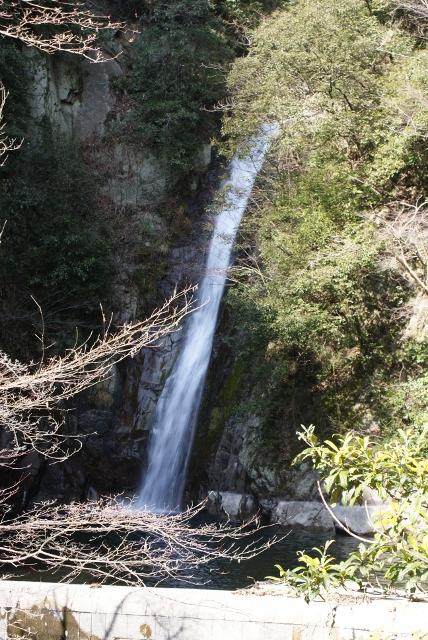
(228, 575)
(224, 575)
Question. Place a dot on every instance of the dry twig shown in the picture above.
(406, 224)
(30, 392)
(112, 541)
(55, 25)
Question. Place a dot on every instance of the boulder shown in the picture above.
(312, 516)
(296, 514)
(359, 519)
(231, 506)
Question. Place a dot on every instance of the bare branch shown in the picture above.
(406, 224)
(7, 144)
(339, 522)
(112, 541)
(416, 11)
(417, 8)
(30, 392)
(55, 25)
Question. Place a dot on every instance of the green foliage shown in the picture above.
(179, 69)
(14, 75)
(318, 58)
(176, 77)
(318, 573)
(402, 123)
(53, 248)
(323, 301)
(398, 470)
(239, 16)
(348, 85)
(402, 400)
(319, 312)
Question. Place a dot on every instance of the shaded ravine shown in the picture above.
(177, 408)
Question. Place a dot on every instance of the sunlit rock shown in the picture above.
(312, 516)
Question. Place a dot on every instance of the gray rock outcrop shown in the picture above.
(296, 514)
(231, 506)
(312, 516)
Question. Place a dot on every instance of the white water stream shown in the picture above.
(178, 405)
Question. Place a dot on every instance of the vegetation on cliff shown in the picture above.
(179, 69)
(59, 239)
(47, 198)
(332, 291)
(333, 274)
(55, 249)
(176, 77)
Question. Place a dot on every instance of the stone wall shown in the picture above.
(81, 612)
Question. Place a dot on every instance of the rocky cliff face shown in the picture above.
(116, 416)
(237, 449)
(136, 187)
(158, 237)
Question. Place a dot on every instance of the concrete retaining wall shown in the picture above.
(75, 612)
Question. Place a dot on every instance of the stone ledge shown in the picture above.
(123, 613)
(299, 514)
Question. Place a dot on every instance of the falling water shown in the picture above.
(177, 408)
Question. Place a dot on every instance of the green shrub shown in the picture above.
(53, 247)
(397, 557)
(176, 77)
(322, 312)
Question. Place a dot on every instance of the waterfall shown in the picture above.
(177, 408)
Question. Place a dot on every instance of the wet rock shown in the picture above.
(92, 494)
(138, 176)
(146, 406)
(268, 506)
(154, 368)
(297, 514)
(304, 484)
(176, 336)
(227, 471)
(102, 395)
(231, 506)
(311, 516)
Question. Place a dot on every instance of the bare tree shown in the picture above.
(417, 8)
(416, 12)
(406, 224)
(110, 540)
(29, 393)
(7, 144)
